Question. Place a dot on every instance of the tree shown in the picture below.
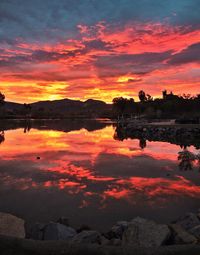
(27, 109)
(142, 96)
(119, 103)
(149, 98)
(130, 106)
(2, 138)
(164, 93)
(2, 99)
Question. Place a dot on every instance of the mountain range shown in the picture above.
(60, 108)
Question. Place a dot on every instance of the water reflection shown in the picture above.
(188, 159)
(142, 143)
(94, 174)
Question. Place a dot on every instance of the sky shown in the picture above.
(83, 49)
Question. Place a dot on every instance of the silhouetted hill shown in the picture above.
(60, 108)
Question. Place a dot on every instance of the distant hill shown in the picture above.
(61, 108)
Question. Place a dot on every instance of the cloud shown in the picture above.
(51, 21)
(189, 55)
(89, 45)
(134, 63)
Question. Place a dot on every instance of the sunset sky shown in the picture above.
(100, 49)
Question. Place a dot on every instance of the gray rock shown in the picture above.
(115, 242)
(104, 241)
(63, 221)
(119, 229)
(145, 233)
(198, 213)
(189, 221)
(195, 231)
(82, 228)
(11, 225)
(88, 237)
(181, 236)
(36, 231)
(57, 231)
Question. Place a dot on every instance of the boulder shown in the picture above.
(145, 233)
(195, 231)
(198, 212)
(35, 231)
(57, 231)
(88, 237)
(82, 228)
(188, 221)
(119, 229)
(11, 225)
(115, 242)
(63, 221)
(181, 236)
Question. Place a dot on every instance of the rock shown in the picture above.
(181, 236)
(11, 225)
(119, 229)
(189, 221)
(115, 242)
(63, 221)
(145, 233)
(82, 228)
(36, 231)
(195, 231)
(57, 231)
(104, 241)
(88, 237)
(198, 213)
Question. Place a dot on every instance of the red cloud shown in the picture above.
(139, 54)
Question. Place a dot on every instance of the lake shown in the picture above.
(78, 169)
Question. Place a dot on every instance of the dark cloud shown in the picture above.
(50, 21)
(130, 63)
(188, 55)
(98, 45)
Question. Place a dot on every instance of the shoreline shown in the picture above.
(180, 134)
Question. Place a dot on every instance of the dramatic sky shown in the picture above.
(80, 49)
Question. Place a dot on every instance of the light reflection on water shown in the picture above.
(92, 178)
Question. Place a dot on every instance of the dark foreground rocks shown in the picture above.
(16, 246)
(138, 236)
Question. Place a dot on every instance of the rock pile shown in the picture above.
(138, 232)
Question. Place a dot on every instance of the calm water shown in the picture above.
(91, 178)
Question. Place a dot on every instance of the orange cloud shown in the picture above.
(104, 62)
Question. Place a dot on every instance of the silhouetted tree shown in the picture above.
(2, 99)
(142, 96)
(27, 109)
(164, 93)
(119, 103)
(130, 106)
(149, 98)
(2, 137)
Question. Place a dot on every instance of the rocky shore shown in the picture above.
(138, 236)
(183, 135)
